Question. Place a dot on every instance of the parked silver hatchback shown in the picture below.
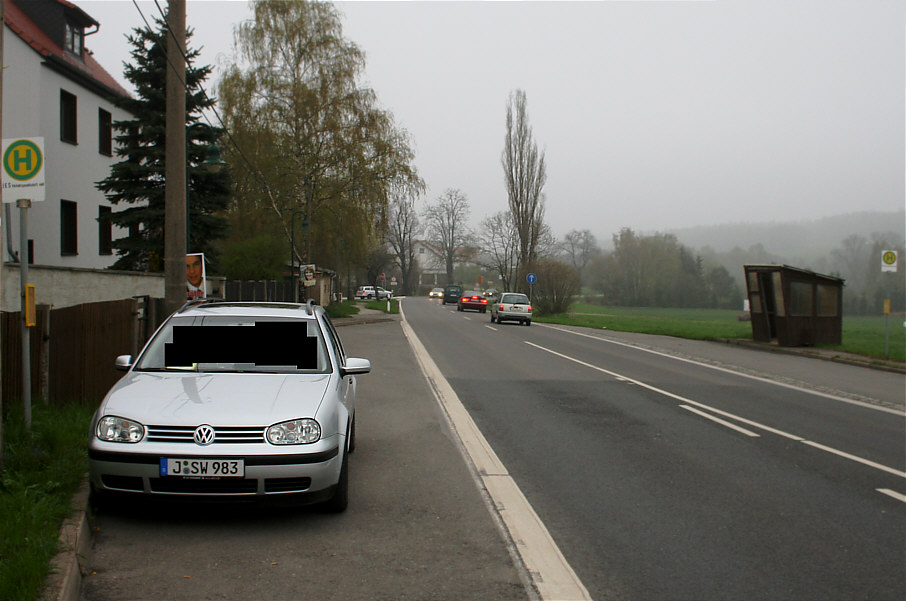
(512, 306)
(232, 400)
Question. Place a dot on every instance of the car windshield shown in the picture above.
(515, 299)
(238, 344)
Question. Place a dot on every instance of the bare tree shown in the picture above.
(499, 247)
(403, 226)
(445, 220)
(524, 174)
(580, 247)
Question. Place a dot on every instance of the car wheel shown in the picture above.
(528, 322)
(492, 318)
(340, 500)
(484, 310)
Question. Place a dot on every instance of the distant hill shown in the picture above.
(805, 240)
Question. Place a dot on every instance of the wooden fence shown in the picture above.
(72, 350)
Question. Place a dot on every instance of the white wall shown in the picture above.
(31, 108)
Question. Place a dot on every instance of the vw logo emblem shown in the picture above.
(204, 435)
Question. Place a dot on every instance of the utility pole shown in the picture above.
(2, 30)
(175, 168)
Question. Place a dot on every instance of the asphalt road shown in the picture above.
(706, 473)
(417, 527)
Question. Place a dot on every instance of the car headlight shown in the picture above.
(296, 431)
(119, 429)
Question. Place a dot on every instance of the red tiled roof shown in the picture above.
(35, 37)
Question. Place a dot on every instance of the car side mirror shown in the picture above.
(356, 366)
(123, 362)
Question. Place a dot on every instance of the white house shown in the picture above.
(55, 88)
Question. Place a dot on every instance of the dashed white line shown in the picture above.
(734, 372)
(892, 493)
(722, 422)
(732, 416)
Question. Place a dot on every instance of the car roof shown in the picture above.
(261, 309)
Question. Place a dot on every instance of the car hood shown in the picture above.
(221, 399)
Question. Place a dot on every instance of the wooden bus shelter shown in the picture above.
(794, 306)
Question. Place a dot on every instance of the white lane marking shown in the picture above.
(551, 574)
(467, 317)
(491, 328)
(892, 493)
(738, 418)
(722, 422)
(736, 373)
(839, 453)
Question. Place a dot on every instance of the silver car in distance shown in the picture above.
(227, 400)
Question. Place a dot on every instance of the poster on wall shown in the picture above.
(195, 276)
(308, 275)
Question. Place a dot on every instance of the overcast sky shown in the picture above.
(652, 115)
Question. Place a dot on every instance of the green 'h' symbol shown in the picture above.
(890, 258)
(22, 160)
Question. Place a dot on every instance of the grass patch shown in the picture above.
(861, 335)
(345, 309)
(695, 324)
(382, 306)
(865, 336)
(40, 475)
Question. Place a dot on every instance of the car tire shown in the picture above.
(528, 322)
(340, 499)
(484, 310)
(492, 318)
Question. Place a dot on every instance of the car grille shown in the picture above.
(224, 434)
(203, 487)
(246, 486)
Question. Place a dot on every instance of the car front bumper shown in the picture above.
(266, 475)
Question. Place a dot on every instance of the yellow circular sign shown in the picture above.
(22, 160)
(889, 258)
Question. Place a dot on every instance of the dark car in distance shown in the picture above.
(472, 299)
(452, 294)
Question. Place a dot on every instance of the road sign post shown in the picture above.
(23, 178)
(531, 279)
(888, 265)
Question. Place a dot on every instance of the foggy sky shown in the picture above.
(652, 115)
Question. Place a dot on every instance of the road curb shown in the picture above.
(64, 583)
(831, 356)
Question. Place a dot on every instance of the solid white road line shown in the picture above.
(892, 493)
(734, 372)
(722, 422)
(551, 574)
(732, 416)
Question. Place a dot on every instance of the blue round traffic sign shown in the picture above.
(531, 278)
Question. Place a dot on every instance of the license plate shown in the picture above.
(202, 468)
(515, 308)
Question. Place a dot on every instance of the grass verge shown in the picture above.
(41, 472)
(861, 335)
(382, 306)
(345, 309)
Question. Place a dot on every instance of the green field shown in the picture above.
(861, 335)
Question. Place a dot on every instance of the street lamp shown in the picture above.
(213, 163)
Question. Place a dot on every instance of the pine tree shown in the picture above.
(138, 183)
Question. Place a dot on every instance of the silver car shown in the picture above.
(512, 306)
(231, 400)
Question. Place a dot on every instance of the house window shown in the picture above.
(69, 239)
(68, 125)
(105, 231)
(105, 133)
(73, 39)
